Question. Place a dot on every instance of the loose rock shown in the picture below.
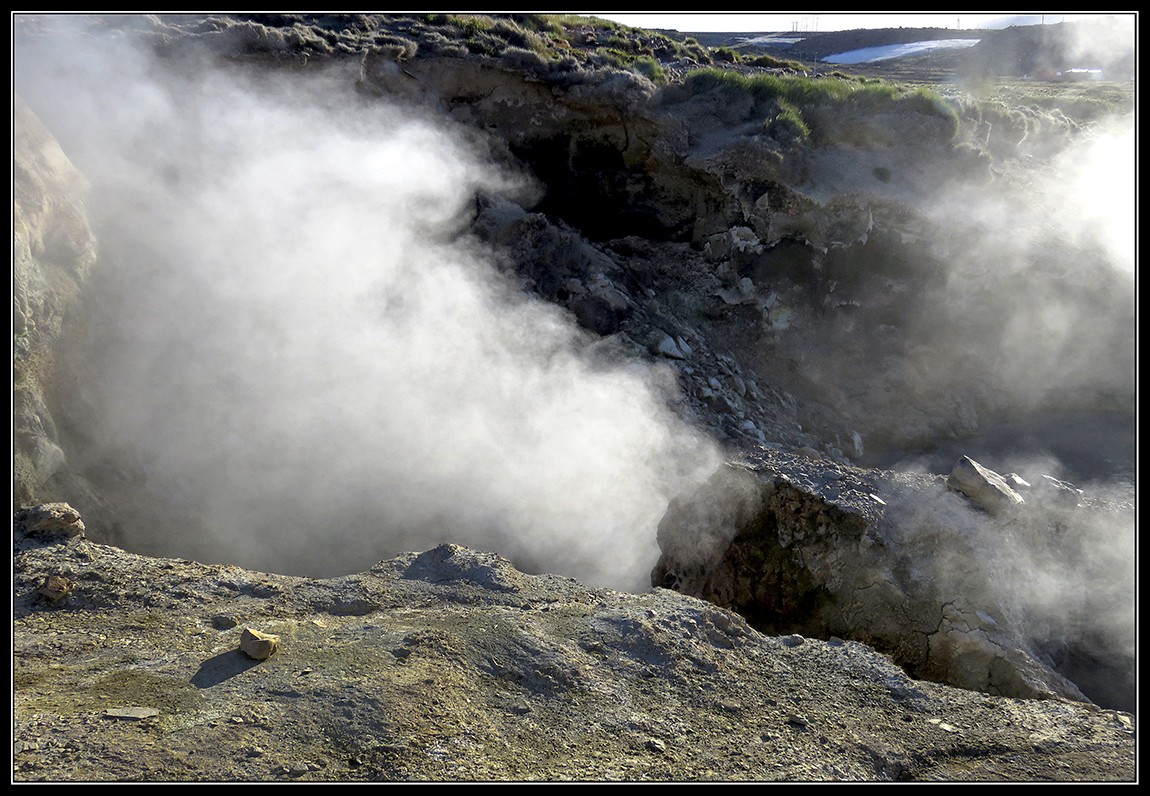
(258, 645)
(56, 587)
(53, 520)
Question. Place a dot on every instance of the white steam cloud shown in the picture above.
(1042, 300)
(1039, 300)
(299, 361)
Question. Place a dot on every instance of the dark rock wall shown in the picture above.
(820, 269)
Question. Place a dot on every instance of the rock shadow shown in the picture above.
(221, 667)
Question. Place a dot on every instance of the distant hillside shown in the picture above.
(816, 46)
(1043, 51)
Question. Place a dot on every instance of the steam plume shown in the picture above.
(299, 361)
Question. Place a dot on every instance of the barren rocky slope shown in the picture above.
(452, 665)
(735, 290)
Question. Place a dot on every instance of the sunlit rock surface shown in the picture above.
(53, 251)
(451, 665)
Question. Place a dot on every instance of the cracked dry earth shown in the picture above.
(451, 665)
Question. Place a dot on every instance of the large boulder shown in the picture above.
(898, 561)
(986, 488)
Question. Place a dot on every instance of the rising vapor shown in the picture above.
(297, 359)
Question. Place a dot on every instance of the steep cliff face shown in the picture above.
(390, 281)
(53, 250)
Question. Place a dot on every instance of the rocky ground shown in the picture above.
(450, 665)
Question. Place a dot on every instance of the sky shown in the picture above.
(731, 22)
